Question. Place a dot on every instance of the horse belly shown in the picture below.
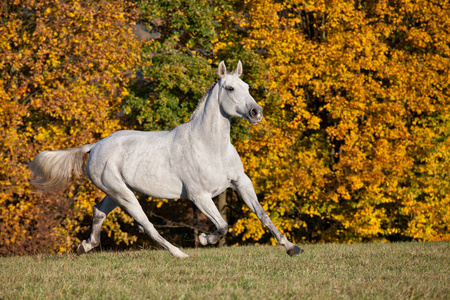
(154, 179)
(220, 188)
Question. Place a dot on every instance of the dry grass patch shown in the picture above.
(361, 271)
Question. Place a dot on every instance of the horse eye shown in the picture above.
(229, 88)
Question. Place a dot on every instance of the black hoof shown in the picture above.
(294, 251)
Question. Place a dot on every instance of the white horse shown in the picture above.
(194, 160)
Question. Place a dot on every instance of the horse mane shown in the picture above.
(202, 101)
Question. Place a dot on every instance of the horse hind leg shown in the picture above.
(149, 229)
(101, 210)
(127, 200)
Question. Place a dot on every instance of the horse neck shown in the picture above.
(210, 123)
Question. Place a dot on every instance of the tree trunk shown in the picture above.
(222, 207)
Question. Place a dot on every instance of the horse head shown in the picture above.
(234, 96)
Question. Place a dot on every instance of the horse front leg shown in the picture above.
(245, 189)
(209, 209)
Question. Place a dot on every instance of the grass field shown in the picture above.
(361, 271)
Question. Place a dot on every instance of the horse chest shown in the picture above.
(206, 172)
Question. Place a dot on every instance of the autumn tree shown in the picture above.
(354, 147)
(64, 70)
(179, 64)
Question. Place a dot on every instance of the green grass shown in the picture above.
(361, 271)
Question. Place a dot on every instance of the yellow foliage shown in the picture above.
(357, 130)
(355, 141)
(61, 65)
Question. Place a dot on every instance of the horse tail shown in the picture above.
(53, 169)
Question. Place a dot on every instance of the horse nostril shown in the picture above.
(253, 112)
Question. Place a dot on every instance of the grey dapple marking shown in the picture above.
(194, 160)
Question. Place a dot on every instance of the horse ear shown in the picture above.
(222, 69)
(238, 70)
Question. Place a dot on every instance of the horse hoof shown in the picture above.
(203, 239)
(183, 255)
(178, 253)
(81, 248)
(294, 251)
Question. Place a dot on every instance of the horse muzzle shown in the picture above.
(255, 115)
